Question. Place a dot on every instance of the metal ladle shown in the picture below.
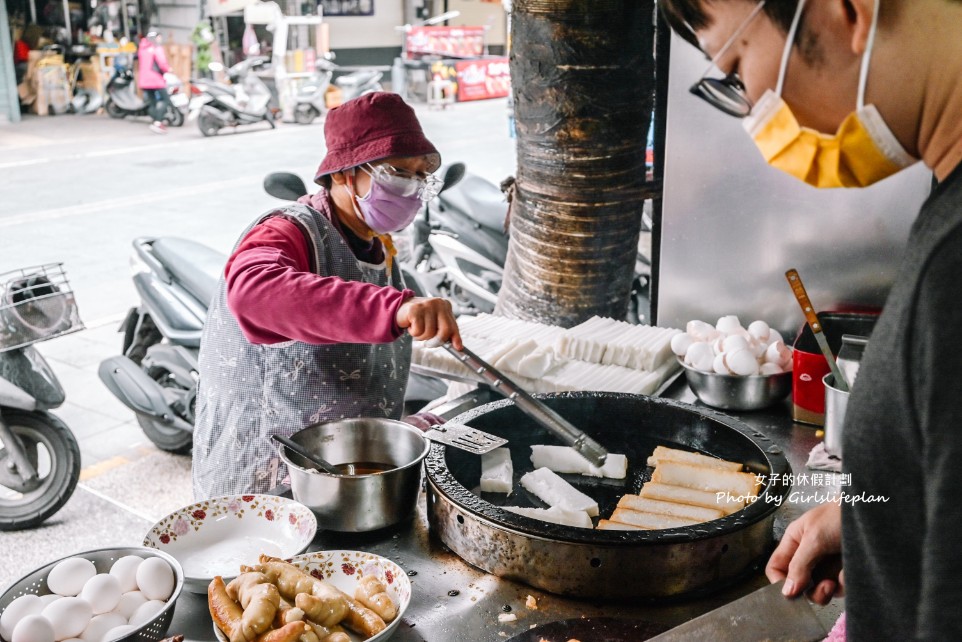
(320, 464)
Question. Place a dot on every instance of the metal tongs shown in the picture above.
(565, 431)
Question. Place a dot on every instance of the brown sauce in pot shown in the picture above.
(363, 468)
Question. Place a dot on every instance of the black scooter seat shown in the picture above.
(197, 267)
(479, 200)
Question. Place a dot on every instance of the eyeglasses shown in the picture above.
(405, 183)
(728, 93)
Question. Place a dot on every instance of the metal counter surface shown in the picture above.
(454, 602)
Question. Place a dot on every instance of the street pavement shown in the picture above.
(78, 189)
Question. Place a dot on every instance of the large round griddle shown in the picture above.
(592, 563)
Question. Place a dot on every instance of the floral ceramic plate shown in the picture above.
(344, 569)
(216, 536)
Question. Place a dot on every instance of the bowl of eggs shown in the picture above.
(97, 596)
(732, 367)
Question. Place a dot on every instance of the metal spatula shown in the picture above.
(571, 435)
(465, 438)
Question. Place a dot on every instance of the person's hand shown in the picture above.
(423, 421)
(428, 319)
(810, 553)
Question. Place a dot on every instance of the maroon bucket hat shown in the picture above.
(371, 127)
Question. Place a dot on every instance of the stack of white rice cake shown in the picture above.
(599, 354)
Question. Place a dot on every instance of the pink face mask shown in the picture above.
(386, 209)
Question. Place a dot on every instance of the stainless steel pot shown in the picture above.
(356, 503)
(605, 564)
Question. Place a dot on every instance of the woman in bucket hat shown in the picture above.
(311, 321)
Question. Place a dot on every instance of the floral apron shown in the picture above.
(249, 392)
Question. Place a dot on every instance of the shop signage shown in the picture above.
(450, 42)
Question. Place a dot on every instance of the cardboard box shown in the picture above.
(809, 365)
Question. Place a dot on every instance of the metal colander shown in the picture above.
(103, 558)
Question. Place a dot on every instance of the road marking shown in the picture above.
(102, 467)
(110, 500)
(126, 201)
(24, 163)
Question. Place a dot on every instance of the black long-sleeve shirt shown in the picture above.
(903, 442)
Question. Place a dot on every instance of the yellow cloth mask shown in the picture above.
(862, 152)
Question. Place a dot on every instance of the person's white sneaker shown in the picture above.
(158, 127)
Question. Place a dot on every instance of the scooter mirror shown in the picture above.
(284, 185)
(453, 174)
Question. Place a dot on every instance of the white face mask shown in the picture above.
(863, 151)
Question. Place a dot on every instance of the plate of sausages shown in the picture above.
(326, 596)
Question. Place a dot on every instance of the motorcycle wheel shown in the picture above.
(113, 109)
(174, 117)
(164, 436)
(305, 115)
(209, 125)
(53, 450)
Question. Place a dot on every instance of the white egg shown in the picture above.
(778, 353)
(699, 330)
(769, 369)
(700, 356)
(757, 348)
(155, 579)
(33, 628)
(100, 624)
(718, 364)
(69, 617)
(119, 632)
(129, 603)
(718, 345)
(73, 640)
(103, 592)
(50, 597)
(741, 362)
(146, 612)
(680, 343)
(69, 576)
(734, 342)
(17, 610)
(125, 570)
(729, 324)
(773, 336)
(759, 330)
(788, 366)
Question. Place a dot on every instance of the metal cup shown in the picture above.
(836, 402)
(357, 503)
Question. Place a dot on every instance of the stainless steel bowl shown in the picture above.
(356, 503)
(35, 583)
(734, 392)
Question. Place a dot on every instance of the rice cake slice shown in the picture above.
(497, 472)
(726, 503)
(663, 453)
(710, 479)
(608, 525)
(554, 515)
(554, 491)
(565, 459)
(661, 507)
(650, 520)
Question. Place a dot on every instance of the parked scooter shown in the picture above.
(311, 98)
(122, 99)
(244, 102)
(39, 456)
(157, 372)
